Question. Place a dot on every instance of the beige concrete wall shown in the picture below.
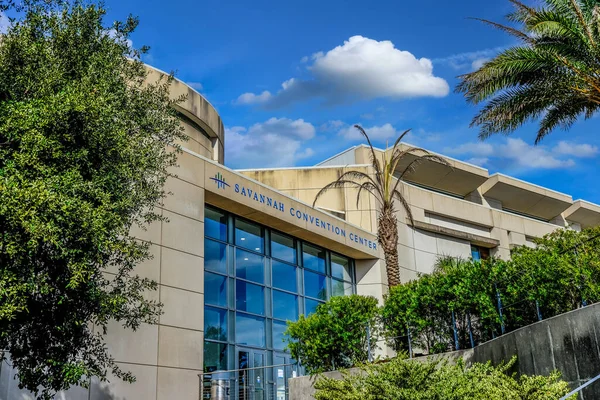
(418, 249)
(201, 112)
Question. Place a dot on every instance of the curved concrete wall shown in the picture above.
(201, 122)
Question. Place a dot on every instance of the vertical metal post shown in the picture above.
(500, 309)
(409, 343)
(470, 330)
(537, 309)
(369, 355)
(456, 345)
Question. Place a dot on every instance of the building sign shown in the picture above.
(312, 218)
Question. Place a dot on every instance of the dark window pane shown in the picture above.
(248, 235)
(313, 258)
(215, 289)
(314, 285)
(250, 330)
(249, 298)
(282, 247)
(284, 276)
(215, 324)
(310, 306)
(215, 356)
(340, 267)
(215, 256)
(278, 335)
(339, 288)
(249, 266)
(475, 254)
(215, 224)
(285, 306)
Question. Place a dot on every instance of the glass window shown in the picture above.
(310, 306)
(249, 298)
(314, 285)
(278, 335)
(215, 224)
(283, 248)
(340, 267)
(248, 235)
(215, 356)
(285, 306)
(249, 266)
(284, 276)
(215, 324)
(479, 253)
(250, 330)
(313, 258)
(339, 288)
(215, 289)
(215, 256)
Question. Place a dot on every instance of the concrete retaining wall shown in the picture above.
(569, 343)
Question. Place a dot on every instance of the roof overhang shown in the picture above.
(457, 178)
(584, 213)
(526, 198)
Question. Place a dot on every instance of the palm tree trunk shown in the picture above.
(387, 237)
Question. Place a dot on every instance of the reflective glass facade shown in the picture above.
(255, 280)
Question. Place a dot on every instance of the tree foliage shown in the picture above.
(561, 274)
(335, 336)
(551, 76)
(83, 157)
(385, 188)
(438, 380)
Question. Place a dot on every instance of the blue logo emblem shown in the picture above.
(220, 180)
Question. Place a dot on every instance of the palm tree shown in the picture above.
(384, 187)
(553, 74)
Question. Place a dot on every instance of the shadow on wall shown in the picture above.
(9, 389)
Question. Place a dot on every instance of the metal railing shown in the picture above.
(580, 388)
(268, 382)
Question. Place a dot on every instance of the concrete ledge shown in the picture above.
(475, 239)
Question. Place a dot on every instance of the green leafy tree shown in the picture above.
(438, 380)
(83, 156)
(384, 187)
(551, 76)
(335, 335)
(559, 275)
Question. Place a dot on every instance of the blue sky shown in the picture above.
(289, 78)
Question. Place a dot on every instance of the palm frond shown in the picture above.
(505, 28)
(374, 159)
(371, 188)
(563, 114)
(552, 77)
(406, 206)
(338, 184)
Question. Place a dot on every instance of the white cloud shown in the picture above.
(576, 150)
(475, 65)
(360, 69)
(480, 161)
(113, 34)
(251, 98)
(196, 85)
(332, 125)
(4, 22)
(277, 142)
(471, 59)
(513, 153)
(376, 133)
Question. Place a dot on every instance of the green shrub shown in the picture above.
(335, 336)
(437, 380)
(557, 276)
